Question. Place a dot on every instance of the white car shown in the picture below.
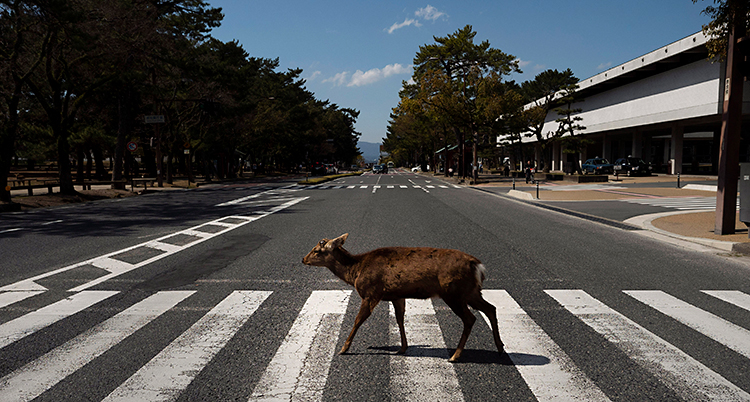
(416, 169)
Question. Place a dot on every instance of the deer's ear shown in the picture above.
(338, 242)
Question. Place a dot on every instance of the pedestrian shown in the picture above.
(528, 171)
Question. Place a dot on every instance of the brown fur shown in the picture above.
(398, 273)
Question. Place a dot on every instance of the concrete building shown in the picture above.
(664, 107)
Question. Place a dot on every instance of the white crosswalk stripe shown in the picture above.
(735, 297)
(172, 370)
(374, 186)
(524, 340)
(23, 326)
(31, 380)
(9, 298)
(686, 376)
(423, 373)
(300, 367)
(726, 333)
(680, 203)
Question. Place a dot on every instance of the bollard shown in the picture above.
(537, 190)
(678, 180)
(514, 183)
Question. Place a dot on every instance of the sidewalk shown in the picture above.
(691, 225)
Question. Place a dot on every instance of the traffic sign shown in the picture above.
(156, 118)
(132, 146)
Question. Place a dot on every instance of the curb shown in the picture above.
(644, 221)
(651, 231)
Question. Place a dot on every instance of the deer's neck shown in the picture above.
(344, 265)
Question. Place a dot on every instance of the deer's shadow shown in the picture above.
(479, 356)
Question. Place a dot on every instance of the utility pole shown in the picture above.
(726, 196)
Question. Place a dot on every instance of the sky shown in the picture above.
(356, 53)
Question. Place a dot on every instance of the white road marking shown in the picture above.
(31, 380)
(174, 368)
(558, 379)
(423, 373)
(299, 369)
(735, 297)
(716, 328)
(9, 298)
(117, 267)
(690, 379)
(27, 324)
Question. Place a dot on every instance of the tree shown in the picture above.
(569, 127)
(727, 32)
(717, 30)
(453, 74)
(17, 63)
(542, 91)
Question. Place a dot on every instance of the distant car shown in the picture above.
(318, 168)
(597, 166)
(632, 167)
(385, 168)
(416, 169)
(377, 169)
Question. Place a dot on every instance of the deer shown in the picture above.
(398, 273)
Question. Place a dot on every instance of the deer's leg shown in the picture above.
(489, 310)
(462, 310)
(400, 307)
(365, 309)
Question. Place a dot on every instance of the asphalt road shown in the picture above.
(201, 295)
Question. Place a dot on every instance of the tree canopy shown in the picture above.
(77, 78)
(458, 95)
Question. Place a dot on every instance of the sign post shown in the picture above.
(157, 119)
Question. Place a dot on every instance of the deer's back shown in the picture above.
(414, 272)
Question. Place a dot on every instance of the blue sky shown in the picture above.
(357, 53)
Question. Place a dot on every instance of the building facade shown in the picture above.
(664, 107)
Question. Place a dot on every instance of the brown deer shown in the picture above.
(398, 273)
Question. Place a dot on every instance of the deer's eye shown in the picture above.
(322, 243)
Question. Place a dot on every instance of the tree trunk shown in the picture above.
(124, 129)
(63, 160)
(80, 165)
(101, 173)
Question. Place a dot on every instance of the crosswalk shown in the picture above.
(380, 186)
(679, 203)
(303, 360)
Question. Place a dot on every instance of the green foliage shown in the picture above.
(86, 72)
(457, 90)
(721, 14)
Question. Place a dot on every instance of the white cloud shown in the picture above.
(604, 66)
(429, 13)
(314, 75)
(407, 22)
(338, 79)
(360, 78)
(522, 63)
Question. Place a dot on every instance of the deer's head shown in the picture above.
(322, 254)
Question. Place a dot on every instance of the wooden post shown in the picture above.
(726, 196)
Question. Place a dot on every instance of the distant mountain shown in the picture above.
(370, 150)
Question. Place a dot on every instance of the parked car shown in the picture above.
(632, 166)
(416, 169)
(597, 166)
(377, 169)
(318, 168)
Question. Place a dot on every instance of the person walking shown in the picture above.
(529, 168)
